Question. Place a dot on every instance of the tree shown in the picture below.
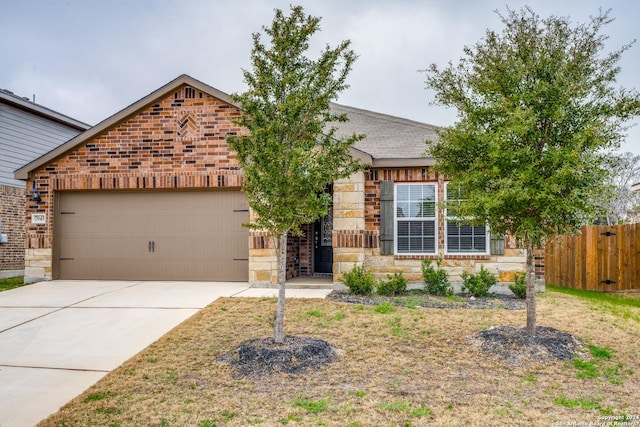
(291, 152)
(537, 107)
(621, 200)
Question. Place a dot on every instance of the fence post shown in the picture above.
(591, 264)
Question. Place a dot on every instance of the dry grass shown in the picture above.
(409, 367)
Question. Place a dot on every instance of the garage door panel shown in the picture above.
(153, 235)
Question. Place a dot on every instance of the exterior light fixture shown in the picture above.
(35, 195)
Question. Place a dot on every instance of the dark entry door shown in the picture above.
(322, 249)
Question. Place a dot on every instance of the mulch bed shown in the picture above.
(420, 298)
(262, 356)
(515, 345)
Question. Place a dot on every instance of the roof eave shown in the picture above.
(365, 158)
(403, 163)
(23, 172)
(42, 111)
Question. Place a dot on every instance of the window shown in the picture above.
(415, 217)
(462, 237)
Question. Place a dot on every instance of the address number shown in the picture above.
(38, 218)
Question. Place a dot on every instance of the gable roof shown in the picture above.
(391, 141)
(131, 110)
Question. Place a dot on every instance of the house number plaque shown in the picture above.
(38, 218)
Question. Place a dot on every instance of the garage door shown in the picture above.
(152, 235)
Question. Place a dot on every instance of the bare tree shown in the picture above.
(622, 202)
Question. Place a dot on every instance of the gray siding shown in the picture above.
(24, 137)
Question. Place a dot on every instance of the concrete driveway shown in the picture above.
(58, 338)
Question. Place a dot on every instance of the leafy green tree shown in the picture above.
(537, 108)
(291, 152)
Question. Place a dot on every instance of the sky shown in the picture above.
(89, 59)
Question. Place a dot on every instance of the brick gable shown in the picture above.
(177, 142)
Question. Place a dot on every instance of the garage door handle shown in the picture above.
(152, 246)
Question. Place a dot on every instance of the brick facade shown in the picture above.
(178, 142)
(299, 251)
(12, 215)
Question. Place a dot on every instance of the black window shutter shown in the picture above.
(386, 218)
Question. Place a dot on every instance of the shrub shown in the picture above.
(478, 284)
(436, 281)
(384, 308)
(359, 281)
(394, 285)
(519, 287)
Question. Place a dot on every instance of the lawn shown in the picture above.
(11, 283)
(398, 366)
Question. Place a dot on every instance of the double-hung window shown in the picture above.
(416, 219)
(462, 237)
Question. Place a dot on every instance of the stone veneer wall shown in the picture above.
(178, 142)
(348, 233)
(263, 261)
(12, 216)
(349, 226)
(357, 232)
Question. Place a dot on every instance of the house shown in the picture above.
(154, 192)
(27, 131)
(634, 214)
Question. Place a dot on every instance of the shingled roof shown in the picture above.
(390, 140)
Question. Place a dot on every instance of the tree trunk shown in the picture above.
(281, 252)
(531, 289)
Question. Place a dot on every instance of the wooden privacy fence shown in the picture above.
(600, 258)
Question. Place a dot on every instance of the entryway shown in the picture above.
(322, 245)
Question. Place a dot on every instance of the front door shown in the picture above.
(322, 249)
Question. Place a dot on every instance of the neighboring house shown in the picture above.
(634, 215)
(27, 131)
(154, 192)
